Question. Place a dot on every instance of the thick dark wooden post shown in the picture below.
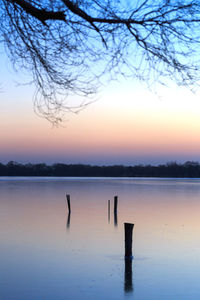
(68, 203)
(128, 229)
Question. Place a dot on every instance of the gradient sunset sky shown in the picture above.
(126, 125)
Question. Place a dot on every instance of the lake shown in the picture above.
(47, 254)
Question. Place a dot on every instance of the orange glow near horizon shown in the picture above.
(120, 124)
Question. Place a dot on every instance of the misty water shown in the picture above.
(47, 254)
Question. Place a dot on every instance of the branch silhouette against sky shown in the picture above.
(72, 47)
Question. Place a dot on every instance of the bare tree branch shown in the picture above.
(40, 14)
(62, 44)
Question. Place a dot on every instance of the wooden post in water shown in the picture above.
(68, 203)
(115, 204)
(115, 210)
(108, 211)
(128, 230)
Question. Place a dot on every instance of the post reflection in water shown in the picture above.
(108, 211)
(115, 219)
(68, 220)
(128, 277)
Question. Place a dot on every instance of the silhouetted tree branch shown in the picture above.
(69, 46)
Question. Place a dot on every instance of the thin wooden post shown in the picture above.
(115, 210)
(128, 229)
(109, 211)
(115, 204)
(68, 203)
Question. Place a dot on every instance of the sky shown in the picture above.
(127, 124)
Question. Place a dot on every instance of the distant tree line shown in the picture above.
(172, 169)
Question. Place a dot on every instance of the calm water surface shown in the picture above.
(47, 254)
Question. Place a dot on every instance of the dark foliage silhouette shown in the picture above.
(188, 169)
